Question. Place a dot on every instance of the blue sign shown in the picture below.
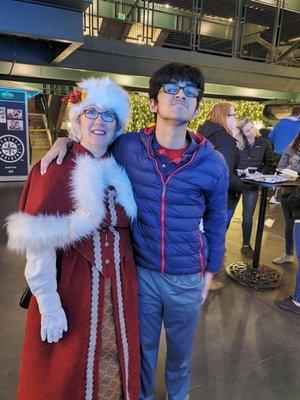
(14, 136)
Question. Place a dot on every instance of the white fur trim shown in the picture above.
(89, 179)
(89, 379)
(118, 178)
(97, 251)
(117, 262)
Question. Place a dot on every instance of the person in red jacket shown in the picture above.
(81, 339)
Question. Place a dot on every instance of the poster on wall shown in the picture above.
(14, 135)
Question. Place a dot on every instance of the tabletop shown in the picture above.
(271, 184)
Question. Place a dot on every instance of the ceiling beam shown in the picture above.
(108, 55)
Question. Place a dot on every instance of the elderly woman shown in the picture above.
(81, 339)
(255, 152)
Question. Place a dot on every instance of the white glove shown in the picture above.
(53, 325)
(40, 273)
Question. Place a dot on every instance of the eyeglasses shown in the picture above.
(173, 88)
(107, 116)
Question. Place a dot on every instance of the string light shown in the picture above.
(141, 115)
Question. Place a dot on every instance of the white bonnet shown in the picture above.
(102, 92)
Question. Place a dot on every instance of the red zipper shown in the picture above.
(163, 201)
(163, 219)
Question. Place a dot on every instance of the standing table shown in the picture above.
(253, 274)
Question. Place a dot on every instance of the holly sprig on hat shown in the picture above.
(74, 97)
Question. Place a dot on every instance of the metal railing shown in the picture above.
(261, 30)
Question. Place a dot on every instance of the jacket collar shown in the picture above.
(149, 140)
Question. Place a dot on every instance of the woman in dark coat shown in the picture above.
(218, 130)
(292, 303)
(255, 152)
(290, 159)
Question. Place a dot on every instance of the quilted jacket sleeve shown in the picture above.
(215, 221)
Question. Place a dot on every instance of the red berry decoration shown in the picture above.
(78, 95)
(73, 97)
(64, 100)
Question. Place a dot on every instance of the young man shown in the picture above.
(179, 181)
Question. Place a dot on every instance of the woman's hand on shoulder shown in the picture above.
(59, 150)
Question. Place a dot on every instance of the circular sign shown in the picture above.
(11, 148)
(7, 95)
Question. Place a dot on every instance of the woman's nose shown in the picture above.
(98, 121)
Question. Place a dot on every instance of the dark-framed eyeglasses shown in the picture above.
(189, 90)
(107, 116)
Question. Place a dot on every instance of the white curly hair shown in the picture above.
(102, 92)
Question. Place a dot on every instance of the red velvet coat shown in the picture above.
(68, 370)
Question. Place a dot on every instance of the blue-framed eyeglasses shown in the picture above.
(173, 88)
(107, 116)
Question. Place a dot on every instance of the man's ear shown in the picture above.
(153, 105)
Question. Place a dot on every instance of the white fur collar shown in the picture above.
(92, 176)
(89, 179)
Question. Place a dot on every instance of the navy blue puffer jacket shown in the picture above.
(172, 198)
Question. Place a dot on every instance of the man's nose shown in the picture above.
(181, 93)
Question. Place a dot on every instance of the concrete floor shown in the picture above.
(246, 347)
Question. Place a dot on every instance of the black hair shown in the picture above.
(296, 111)
(178, 72)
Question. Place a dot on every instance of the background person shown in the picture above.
(218, 129)
(81, 339)
(291, 156)
(290, 159)
(292, 303)
(285, 131)
(255, 152)
(281, 136)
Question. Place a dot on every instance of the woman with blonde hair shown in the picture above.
(218, 129)
(255, 152)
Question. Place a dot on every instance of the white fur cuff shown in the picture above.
(29, 231)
